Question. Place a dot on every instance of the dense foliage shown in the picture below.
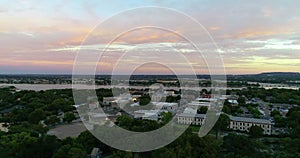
(27, 136)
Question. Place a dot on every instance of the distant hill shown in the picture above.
(270, 77)
(280, 73)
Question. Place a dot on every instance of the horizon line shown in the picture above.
(138, 74)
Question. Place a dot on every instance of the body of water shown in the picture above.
(39, 87)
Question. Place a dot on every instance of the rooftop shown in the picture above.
(164, 104)
(191, 115)
(206, 99)
(245, 119)
(148, 111)
(232, 118)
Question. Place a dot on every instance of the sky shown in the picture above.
(252, 36)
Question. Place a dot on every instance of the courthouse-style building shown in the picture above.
(236, 123)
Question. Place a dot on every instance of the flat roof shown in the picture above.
(232, 118)
(206, 99)
(252, 120)
(165, 103)
(191, 115)
(200, 103)
(147, 111)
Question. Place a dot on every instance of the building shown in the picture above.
(244, 124)
(108, 100)
(189, 110)
(135, 97)
(147, 114)
(233, 101)
(190, 118)
(170, 92)
(3, 128)
(96, 153)
(236, 123)
(203, 102)
(117, 102)
(94, 106)
(8, 110)
(170, 107)
(205, 95)
(157, 97)
(97, 117)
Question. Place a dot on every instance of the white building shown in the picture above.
(170, 107)
(233, 101)
(98, 117)
(147, 114)
(244, 124)
(3, 127)
(202, 102)
(117, 102)
(189, 110)
(94, 106)
(170, 92)
(157, 97)
(108, 100)
(236, 123)
(190, 118)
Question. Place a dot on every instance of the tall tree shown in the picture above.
(222, 124)
(241, 100)
(256, 132)
(145, 99)
(69, 117)
(202, 110)
(237, 146)
(36, 116)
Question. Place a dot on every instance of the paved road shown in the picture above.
(265, 108)
(67, 130)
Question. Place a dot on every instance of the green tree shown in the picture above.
(14, 144)
(293, 117)
(44, 147)
(163, 152)
(76, 152)
(166, 117)
(89, 141)
(202, 110)
(121, 154)
(36, 116)
(145, 99)
(69, 117)
(240, 146)
(33, 129)
(52, 120)
(125, 121)
(256, 132)
(173, 99)
(35, 103)
(280, 121)
(241, 100)
(295, 132)
(222, 124)
(287, 147)
(275, 112)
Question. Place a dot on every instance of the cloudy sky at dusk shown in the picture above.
(253, 36)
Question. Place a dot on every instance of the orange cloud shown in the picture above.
(73, 41)
(249, 34)
(44, 62)
(254, 33)
(214, 28)
(149, 35)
